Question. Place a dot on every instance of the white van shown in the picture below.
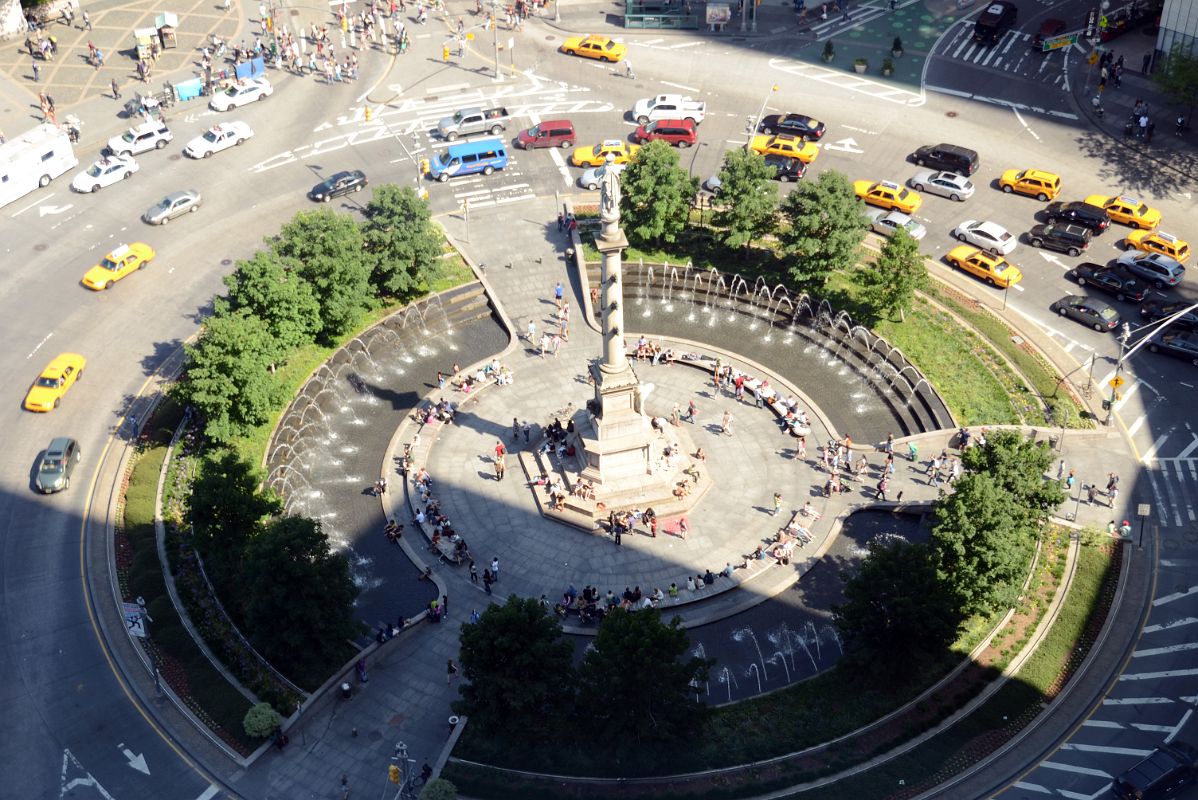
(34, 159)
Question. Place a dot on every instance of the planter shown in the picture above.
(860, 67)
(887, 72)
(896, 53)
(827, 58)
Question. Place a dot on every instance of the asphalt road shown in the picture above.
(59, 691)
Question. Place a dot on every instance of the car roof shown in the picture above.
(180, 194)
(59, 444)
(991, 227)
(898, 216)
(120, 252)
(612, 143)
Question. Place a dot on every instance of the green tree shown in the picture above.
(891, 280)
(981, 548)
(225, 511)
(402, 242)
(1177, 78)
(634, 685)
(268, 288)
(657, 193)
(518, 671)
(261, 721)
(327, 249)
(748, 205)
(228, 376)
(438, 789)
(1018, 465)
(896, 611)
(823, 229)
(298, 599)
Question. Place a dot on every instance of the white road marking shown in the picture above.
(1152, 676)
(1000, 102)
(1026, 127)
(1135, 426)
(1190, 448)
(31, 205)
(67, 787)
(45, 339)
(1184, 719)
(1138, 701)
(686, 44)
(209, 793)
(1031, 787)
(1151, 451)
(450, 87)
(1144, 726)
(681, 86)
(1101, 723)
(849, 81)
(1097, 773)
(1160, 651)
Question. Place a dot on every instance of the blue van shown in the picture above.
(485, 156)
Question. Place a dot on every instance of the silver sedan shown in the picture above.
(175, 204)
(945, 184)
(887, 222)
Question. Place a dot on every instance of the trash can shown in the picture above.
(1054, 442)
(347, 691)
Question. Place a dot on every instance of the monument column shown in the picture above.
(611, 242)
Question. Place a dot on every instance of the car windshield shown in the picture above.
(903, 194)
(52, 463)
(47, 383)
(109, 264)
(128, 136)
(212, 135)
(911, 225)
(609, 46)
(535, 130)
(95, 170)
(232, 91)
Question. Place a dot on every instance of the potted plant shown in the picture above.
(829, 52)
(887, 67)
(860, 65)
(896, 49)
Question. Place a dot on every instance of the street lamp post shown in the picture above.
(1143, 511)
(1117, 381)
(495, 37)
(761, 113)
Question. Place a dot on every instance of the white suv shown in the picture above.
(146, 136)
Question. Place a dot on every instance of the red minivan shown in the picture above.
(679, 132)
(552, 133)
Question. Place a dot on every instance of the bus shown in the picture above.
(32, 160)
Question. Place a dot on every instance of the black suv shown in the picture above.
(1167, 770)
(951, 157)
(1071, 239)
(1079, 213)
(1114, 280)
(995, 20)
(786, 168)
(1160, 309)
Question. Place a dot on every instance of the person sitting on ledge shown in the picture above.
(541, 480)
(700, 455)
(673, 590)
(708, 578)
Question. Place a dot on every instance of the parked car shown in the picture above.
(1078, 213)
(990, 236)
(240, 93)
(550, 133)
(669, 106)
(1043, 186)
(794, 124)
(951, 157)
(1114, 280)
(1157, 241)
(1088, 311)
(887, 223)
(152, 135)
(590, 178)
(1160, 271)
(1178, 345)
(1071, 239)
(945, 184)
(57, 463)
(105, 172)
(1165, 772)
(338, 184)
(217, 138)
(678, 132)
(173, 205)
(1158, 308)
(994, 270)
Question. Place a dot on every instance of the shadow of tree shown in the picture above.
(1136, 167)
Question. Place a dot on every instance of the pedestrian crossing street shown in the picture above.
(1147, 706)
(1013, 54)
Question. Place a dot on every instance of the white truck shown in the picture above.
(473, 120)
(33, 159)
(668, 106)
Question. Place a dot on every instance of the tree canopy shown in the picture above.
(519, 676)
(269, 288)
(225, 511)
(891, 280)
(327, 249)
(1018, 466)
(298, 596)
(657, 193)
(401, 241)
(823, 228)
(748, 204)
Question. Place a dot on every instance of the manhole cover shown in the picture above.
(224, 262)
(550, 38)
(175, 157)
(950, 114)
(40, 247)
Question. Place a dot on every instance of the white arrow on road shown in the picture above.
(1054, 259)
(44, 210)
(848, 145)
(138, 762)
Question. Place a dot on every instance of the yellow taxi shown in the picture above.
(60, 375)
(1039, 184)
(596, 156)
(116, 265)
(603, 48)
(1128, 210)
(994, 270)
(887, 194)
(785, 144)
(1159, 242)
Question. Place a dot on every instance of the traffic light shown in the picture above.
(393, 773)
(368, 113)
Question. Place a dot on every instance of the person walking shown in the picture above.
(691, 410)
(777, 504)
(628, 70)
(683, 528)
(559, 294)
(37, 72)
(473, 572)
(495, 568)
(883, 485)
(487, 580)
(500, 468)
(451, 671)
(116, 90)
(726, 423)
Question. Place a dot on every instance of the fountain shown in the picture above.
(739, 636)
(753, 670)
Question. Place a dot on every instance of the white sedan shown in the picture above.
(590, 178)
(104, 172)
(887, 222)
(990, 236)
(945, 184)
(217, 138)
(241, 93)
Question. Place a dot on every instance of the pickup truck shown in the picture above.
(473, 120)
(668, 106)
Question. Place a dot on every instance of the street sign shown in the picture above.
(1091, 23)
(1057, 42)
(1116, 382)
(1092, 59)
(134, 620)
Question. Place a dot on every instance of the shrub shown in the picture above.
(261, 721)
